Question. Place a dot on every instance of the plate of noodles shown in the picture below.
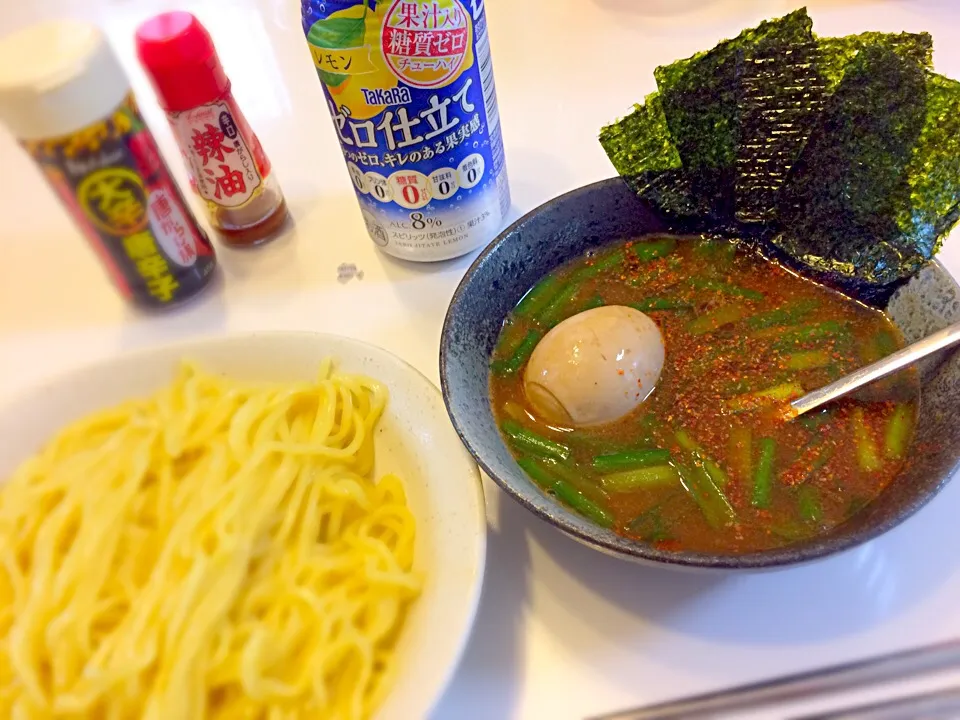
(274, 525)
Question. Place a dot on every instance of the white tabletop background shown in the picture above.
(562, 631)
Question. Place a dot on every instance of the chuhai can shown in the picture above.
(410, 87)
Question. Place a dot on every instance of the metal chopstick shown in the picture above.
(833, 679)
(935, 705)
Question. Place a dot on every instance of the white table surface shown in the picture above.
(562, 631)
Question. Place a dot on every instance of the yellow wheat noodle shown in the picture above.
(218, 550)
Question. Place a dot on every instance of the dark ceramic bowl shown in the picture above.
(607, 211)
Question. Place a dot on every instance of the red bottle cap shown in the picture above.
(181, 61)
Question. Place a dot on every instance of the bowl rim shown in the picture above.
(815, 548)
(184, 345)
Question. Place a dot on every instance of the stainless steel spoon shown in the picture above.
(902, 358)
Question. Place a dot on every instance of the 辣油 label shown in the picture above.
(226, 171)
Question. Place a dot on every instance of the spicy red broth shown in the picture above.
(707, 462)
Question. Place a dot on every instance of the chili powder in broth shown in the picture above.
(743, 336)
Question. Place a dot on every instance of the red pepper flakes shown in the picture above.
(703, 372)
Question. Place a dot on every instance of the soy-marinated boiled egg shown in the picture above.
(594, 367)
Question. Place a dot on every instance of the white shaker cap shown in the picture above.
(57, 77)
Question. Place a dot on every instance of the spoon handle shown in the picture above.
(810, 685)
(890, 364)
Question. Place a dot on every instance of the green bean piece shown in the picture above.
(763, 475)
(653, 249)
(654, 476)
(728, 250)
(652, 304)
(685, 441)
(538, 297)
(565, 492)
(716, 319)
(560, 308)
(897, 436)
(561, 305)
(579, 477)
(570, 471)
(513, 363)
(843, 344)
(706, 247)
(784, 391)
(740, 387)
(649, 525)
(790, 531)
(886, 343)
(726, 288)
(868, 456)
(878, 346)
(778, 393)
(717, 473)
(787, 315)
(640, 457)
(809, 360)
(510, 337)
(771, 319)
(598, 266)
(827, 330)
(537, 472)
(524, 439)
(714, 505)
(808, 501)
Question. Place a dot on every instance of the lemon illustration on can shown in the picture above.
(348, 63)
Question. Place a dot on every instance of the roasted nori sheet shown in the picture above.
(641, 141)
(700, 105)
(779, 95)
(839, 205)
(933, 174)
(841, 155)
(641, 149)
(781, 87)
(836, 53)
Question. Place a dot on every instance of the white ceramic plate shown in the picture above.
(415, 440)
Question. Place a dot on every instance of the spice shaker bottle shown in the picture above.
(226, 164)
(410, 86)
(65, 97)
